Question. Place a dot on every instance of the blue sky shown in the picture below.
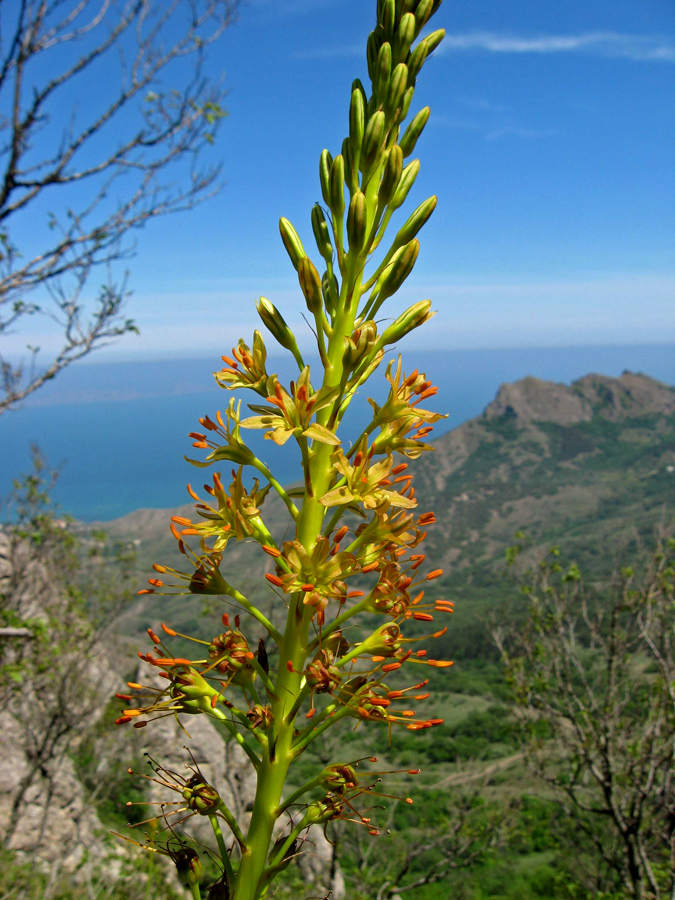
(550, 148)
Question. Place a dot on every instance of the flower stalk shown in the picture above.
(351, 556)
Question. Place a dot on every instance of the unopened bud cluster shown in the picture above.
(351, 552)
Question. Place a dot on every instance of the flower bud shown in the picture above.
(412, 318)
(336, 199)
(416, 61)
(425, 10)
(357, 118)
(397, 271)
(351, 166)
(433, 40)
(373, 141)
(382, 71)
(292, 242)
(330, 291)
(397, 88)
(188, 866)
(372, 51)
(386, 17)
(416, 221)
(405, 35)
(413, 131)
(405, 103)
(408, 177)
(391, 175)
(325, 164)
(357, 222)
(310, 284)
(321, 233)
(276, 324)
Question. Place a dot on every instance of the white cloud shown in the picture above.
(609, 44)
(604, 43)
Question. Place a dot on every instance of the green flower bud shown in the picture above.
(292, 242)
(276, 324)
(310, 284)
(433, 40)
(405, 35)
(414, 130)
(397, 271)
(412, 318)
(397, 88)
(351, 168)
(357, 118)
(357, 222)
(321, 233)
(391, 175)
(337, 187)
(373, 142)
(325, 164)
(416, 221)
(425, 10)
(387, 17)
(330, 291)
(405, 104)
(382, 71)
(416, 61)
(372, 52)
(188, 866)
(408, 177)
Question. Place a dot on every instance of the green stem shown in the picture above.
(196, 893)
(224, 855)
(273, 632)
(290, 506)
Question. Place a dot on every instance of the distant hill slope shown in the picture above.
(586, 466)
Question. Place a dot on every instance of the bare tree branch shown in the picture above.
(123, 142)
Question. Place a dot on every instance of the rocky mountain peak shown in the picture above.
(629, 396)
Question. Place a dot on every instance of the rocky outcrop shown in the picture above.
(629, 396)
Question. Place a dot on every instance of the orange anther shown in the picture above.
(408, 713)
(122, 720)
(307, 587)
(181, 520)
(391, 667)
(134, 686)
(145, 591)
(174, 532)
(271, 551)
(123, 696)
(435, 574)
(398, 469)
(440, 663)
(423, 617)
(421, 653)
(311, 713)
(153, 637)
(158, 568)
(421, 696)
(169, 631)
(337, 537)
(371, 566)
(214, 701)
(289, 665)
(192, 493)
(355, 594)
(273, 579)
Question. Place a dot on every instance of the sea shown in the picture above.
(117, 431)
